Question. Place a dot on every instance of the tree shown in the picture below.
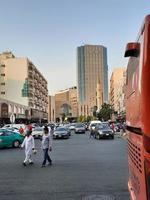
(105, 112)
(81, 118)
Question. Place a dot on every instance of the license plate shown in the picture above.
(59, 135)
(107, 134)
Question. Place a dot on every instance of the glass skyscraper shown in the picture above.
(92, 77)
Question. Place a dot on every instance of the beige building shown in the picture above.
(117, 82)
(92, 78)
(51, 109)
(22, 84)
(66, 103)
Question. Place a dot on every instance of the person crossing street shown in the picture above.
(46, 146)
(29, 145)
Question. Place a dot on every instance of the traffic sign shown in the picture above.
(12, 118)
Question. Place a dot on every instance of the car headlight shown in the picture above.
(100, 132)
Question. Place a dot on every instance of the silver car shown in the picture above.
(80, 128)
(61, 132)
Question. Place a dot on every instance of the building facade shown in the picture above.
(92, 77)
(117, 93)
(22, 84)
(51, 109)
(66, 103)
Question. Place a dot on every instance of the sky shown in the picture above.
(48, 32)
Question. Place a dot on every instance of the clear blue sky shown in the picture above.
(48, 32)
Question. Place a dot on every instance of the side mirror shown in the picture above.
(132, 49)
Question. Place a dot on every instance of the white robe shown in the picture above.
(28, 143)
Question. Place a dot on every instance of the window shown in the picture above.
(25, 91)
(2, 83)
(2, 92)
(2, 74)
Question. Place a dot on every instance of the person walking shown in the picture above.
(29, 145)
(46, 146)
(21, 130)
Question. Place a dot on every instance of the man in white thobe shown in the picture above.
(29, 145)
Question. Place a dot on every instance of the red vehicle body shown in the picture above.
(138, 113)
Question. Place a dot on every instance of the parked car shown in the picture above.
(16, 126)
(61, 132)
(37, 132)
(10, 138)
(72, 126)
(80, 128)
(103, 131)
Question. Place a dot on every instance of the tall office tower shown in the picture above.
(92, 78)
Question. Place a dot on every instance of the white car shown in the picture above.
(93, 124)
(15, 126)
(37, 132)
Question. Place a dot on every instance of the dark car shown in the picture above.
(80, 128)
(103, 131)
(61, 132)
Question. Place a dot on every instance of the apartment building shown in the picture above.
(23, 88)
(51, 109)
(66, 103)
(117, 93)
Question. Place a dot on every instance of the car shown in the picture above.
(67, 126)
(93, 124)
(103, 131)
(10, 138)
(92, 127)
(61, 132)
(80, 128)
(37, 133)
(51, 125)
(16, 126)
(72, 126)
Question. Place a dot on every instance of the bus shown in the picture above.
(137, 100)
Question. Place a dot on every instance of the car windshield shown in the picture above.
(1, 133)
(38, 129)
(61, 129)
(79, 126)
(103, 126)
(95, 124)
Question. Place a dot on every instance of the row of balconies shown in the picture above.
(37, 84)
(41, 100)
(35, 75)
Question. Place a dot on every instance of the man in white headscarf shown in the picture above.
(29, 145)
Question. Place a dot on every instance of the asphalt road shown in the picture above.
(83, 169)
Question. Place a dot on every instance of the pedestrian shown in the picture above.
(28, 127)
(113, 127)
(29, 145)
(21, 130)
(46, 146)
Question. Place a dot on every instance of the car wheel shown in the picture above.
(112, 137)
(16, 144)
